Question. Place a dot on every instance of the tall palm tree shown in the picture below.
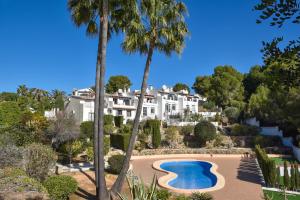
(101, 17)
(161, 27)
(22, 90)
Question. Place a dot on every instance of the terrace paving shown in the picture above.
(242, 179)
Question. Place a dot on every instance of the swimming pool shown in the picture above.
(189, 175)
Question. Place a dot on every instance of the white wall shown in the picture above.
(252, 122)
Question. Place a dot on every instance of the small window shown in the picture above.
(128, 113)
(152, 110)
(119, 112)
(109, 111)
(173, 107)
(91, 116)
(115, 101)
(144, 111)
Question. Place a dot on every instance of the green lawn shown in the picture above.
(279, 195)
(280, 160)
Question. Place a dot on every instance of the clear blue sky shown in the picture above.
(40, 46)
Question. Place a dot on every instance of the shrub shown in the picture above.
(10, 113)
(11, 156)
(139, 191)
(187, 130)
(152, 127)
(16, 180)
(182, 197)
(125, 129)
(116, 162)
(87, 129)
(60, 187)
(118, 121)
(209, 105)
(108, 119)
(204, 131)
(267, 141)
(108, 129)
(244, 130)
(39, 159)
(172, 134)
(232, 113)
(90, 149)
(163, 194)
(201, 196)
(120, 141)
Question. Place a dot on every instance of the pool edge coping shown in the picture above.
(164, 180)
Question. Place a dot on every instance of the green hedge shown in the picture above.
(204, 131)
(60, 187)
(119, 141)
(152, 127)
(118, 121)
(267, 166)
(116, 163)
(108, 119)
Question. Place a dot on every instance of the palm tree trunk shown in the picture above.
(102, 192)
(116, 188)
(96, 111)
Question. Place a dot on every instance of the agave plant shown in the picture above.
(139, 191)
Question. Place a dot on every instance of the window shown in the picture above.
(115, 101)
(91, 116)
(167, 108)
(128, 113)
(127, 102)
(119, 112)
(144, 111)
(152, 110)
(173, 107)
(109, 111)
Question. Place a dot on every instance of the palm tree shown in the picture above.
(22, 90)
(161, 27)
(102, 19)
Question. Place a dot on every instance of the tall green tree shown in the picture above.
(160, 27)
(226, 87)
(181, 86)
(117, 82)
(102, 18)
(252, 80)
(278, 11)
(202, 85)
(94, 15)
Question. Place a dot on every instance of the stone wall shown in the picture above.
(192, 151)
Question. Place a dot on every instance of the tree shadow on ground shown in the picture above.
(249, 171)
(84, 194)
(88, 176)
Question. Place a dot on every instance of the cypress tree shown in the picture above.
(286, 178)
(297, 177)
(292, 180)
(272, 172)
(278, 177)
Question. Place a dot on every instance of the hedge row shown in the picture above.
(120, 141)
(152, 127)
(267, 166)
(118, 121)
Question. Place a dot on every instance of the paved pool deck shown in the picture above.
(242, 179)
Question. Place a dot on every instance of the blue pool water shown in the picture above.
(190, 174)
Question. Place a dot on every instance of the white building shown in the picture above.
(158, 104)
